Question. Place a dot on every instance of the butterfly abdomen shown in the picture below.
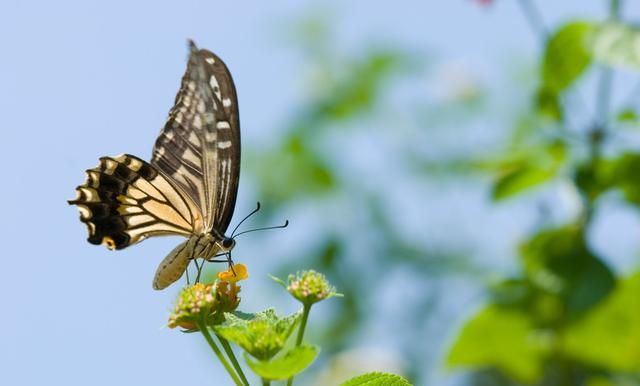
(175, 264)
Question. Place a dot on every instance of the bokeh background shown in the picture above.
(466, 172)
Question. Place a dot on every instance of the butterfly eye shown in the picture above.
(228, 242)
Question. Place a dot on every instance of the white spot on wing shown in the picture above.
(223, 125)
(213, 82)
(224, 145)
(226, 102)
(210, 60)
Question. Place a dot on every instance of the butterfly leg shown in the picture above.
(199, 269)
(212, 258)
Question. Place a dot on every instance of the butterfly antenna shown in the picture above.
(286, 224)
(244, 219)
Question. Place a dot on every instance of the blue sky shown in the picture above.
(82, 79)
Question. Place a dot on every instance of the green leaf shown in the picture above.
(377, 379)
(616, 44)
(301, 171)
(359, 90)
(628, 116)
(548, 103)
(503, 338)
(608, 336)
(527, 171)
(566, 56)
(622, 173)
(559, 262)
(286, 366)
(519, 180)
(263, 336)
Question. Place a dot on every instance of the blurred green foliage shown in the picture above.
(565, 58)
(567, 319)
(564, 317)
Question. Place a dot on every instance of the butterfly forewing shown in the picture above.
(199, 146)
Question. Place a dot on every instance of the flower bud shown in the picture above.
(310, 287)
(195, 303)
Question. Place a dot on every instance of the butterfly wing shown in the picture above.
(199, 146)
(125, 199)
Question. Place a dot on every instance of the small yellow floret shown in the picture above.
(234, 274)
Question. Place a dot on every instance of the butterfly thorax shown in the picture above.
(209, 245)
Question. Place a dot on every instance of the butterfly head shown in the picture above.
(227, 244)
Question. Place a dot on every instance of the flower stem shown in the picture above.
(232, 357)
(205, 331)
(265, 382)
(303, 324)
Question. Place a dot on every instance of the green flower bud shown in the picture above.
(310, 287)
(204, 302)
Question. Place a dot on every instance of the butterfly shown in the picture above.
(190, 186)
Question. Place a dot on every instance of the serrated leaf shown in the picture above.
(616, 44)
(286, 366)
(377, 379)
(263, 336)
(503, 338)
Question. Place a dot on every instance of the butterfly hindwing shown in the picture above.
(125, 200)
(199, 147)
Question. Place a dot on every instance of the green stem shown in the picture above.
(598, 132)
(265, 382)
(303, 324)
(205, 331)
(232, 357)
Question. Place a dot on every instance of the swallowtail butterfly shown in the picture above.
(189, 188)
